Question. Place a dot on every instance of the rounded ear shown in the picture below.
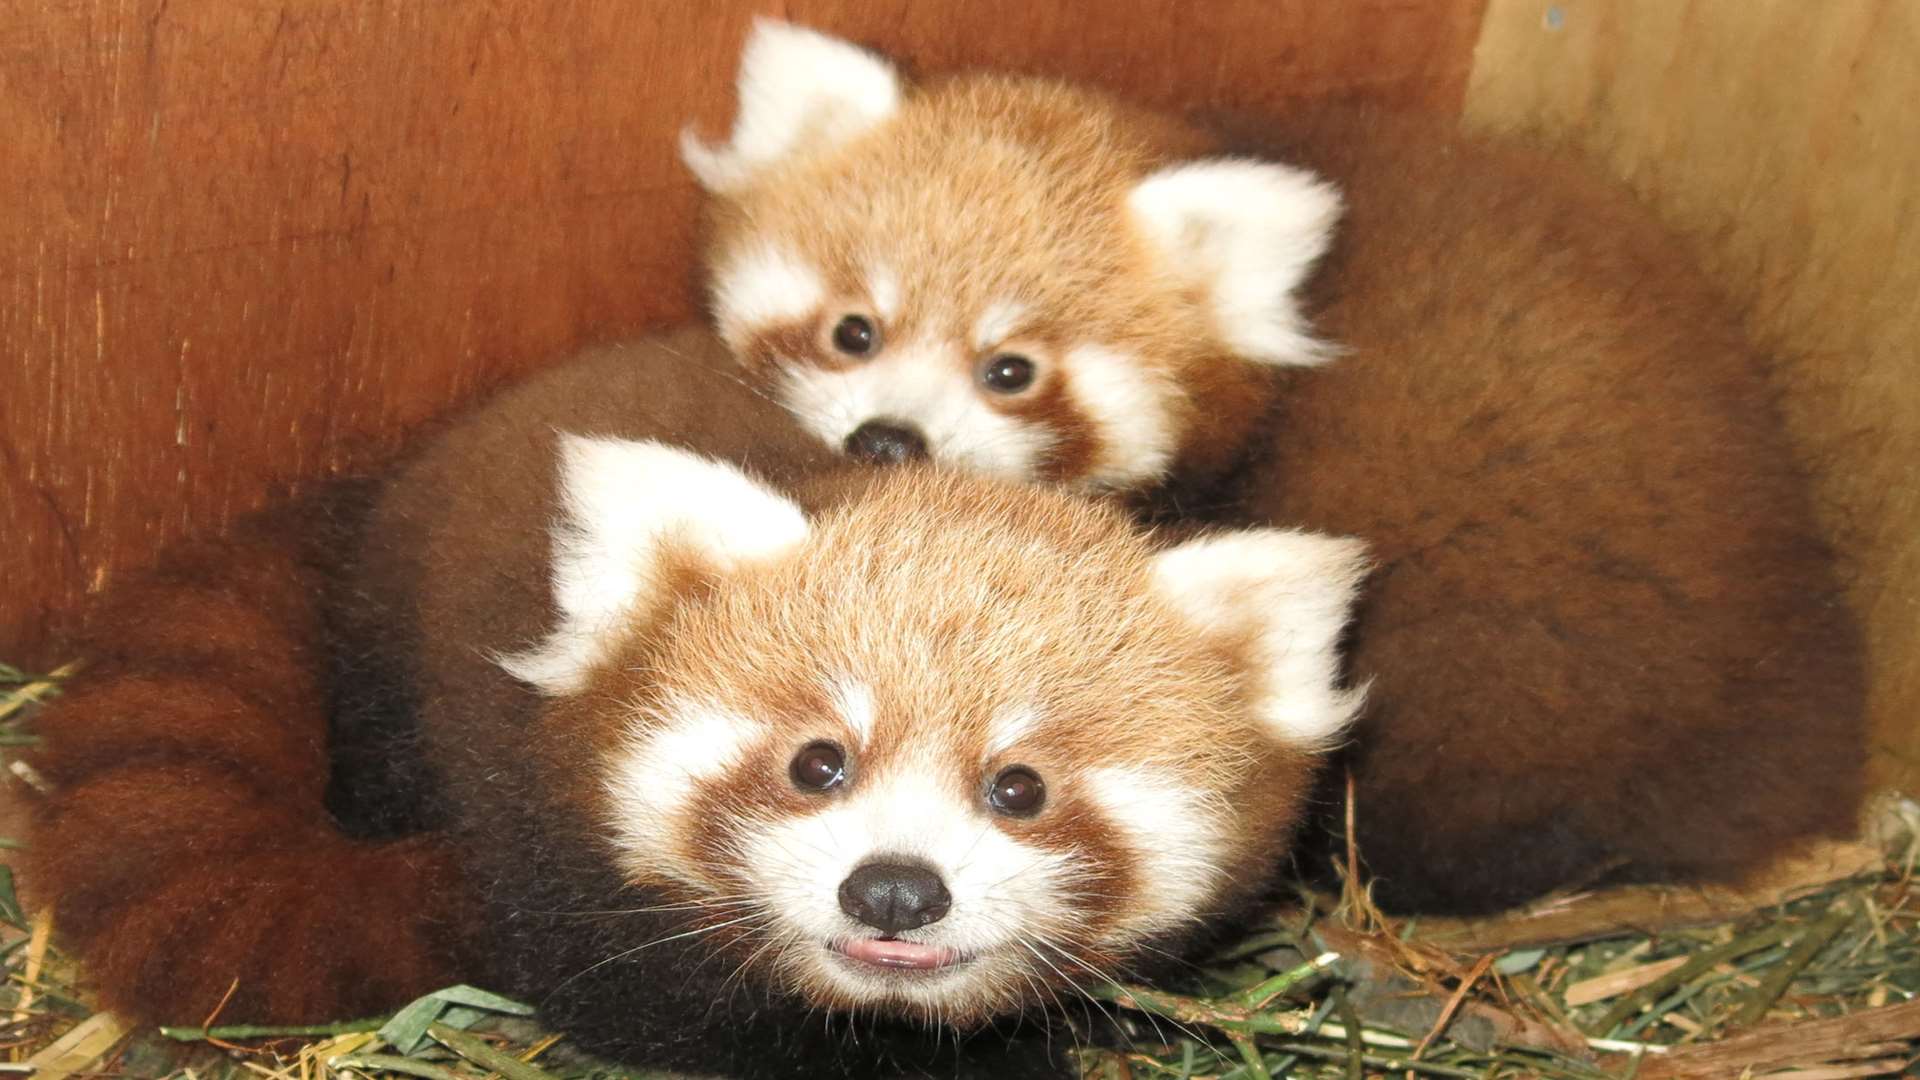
(1247, 233)
(623, 503)
(1289, 595)
(798, 89)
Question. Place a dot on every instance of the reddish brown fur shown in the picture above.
(1606, 636)
(496, 471)
(186, 841)
(185, 835)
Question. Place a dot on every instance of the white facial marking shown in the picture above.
(621, 502)
(1294, 591)
(1249, 232)
(996, 324)
(662, 761)
(853, 700)
(1128, 403)
(1009, 727)
(1179, 837)
(1001, 888)
(883, 288)
(763, 287)
(923, 386)
(799, 91)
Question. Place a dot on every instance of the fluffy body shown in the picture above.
(586, 661)
(1609, 642)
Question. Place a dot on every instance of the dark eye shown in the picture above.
(1017, 790)
(818, 766)
(1008, 373)
(856, 335)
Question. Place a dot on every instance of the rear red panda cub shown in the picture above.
(1015, 276)
(806, 781)
(1605, 606)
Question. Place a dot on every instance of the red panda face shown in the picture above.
(880, 866)
(1010, 276)
(945, 746)
(965, 339)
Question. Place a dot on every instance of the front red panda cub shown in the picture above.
(1010, 275)
(926, 752)
(797, 774)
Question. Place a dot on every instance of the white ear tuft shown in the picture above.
(1247, 232)
(1292, 594)
(796, 87)
(621, 502)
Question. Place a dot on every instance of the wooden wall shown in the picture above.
(244, 242)
(1783, 138)
(248, 241)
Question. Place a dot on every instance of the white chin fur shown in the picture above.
(1001, 889)
(925, 387)
(798, 91)
(1248, 232)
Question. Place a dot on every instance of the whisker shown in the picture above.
(1107, 979)
(734, 980)
(1062, 976)
(624, 953)
(716, 369)
(966, 857)
(688, 905)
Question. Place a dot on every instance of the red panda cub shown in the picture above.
(1015, 276)
(935, 751)
(1608, 639)
(727, 778)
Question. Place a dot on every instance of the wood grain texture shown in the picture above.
(246, 242)
(1780, 137)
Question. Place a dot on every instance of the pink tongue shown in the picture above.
(898, 954)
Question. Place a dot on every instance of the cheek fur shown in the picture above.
(1178, 840)
(1071, 448)
(1129, 408)
(662, 783)
(763, 286)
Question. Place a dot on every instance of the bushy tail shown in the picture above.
(182, 838)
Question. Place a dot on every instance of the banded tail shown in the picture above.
(184, 842)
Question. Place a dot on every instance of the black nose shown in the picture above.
(886, 442)
(891, 896)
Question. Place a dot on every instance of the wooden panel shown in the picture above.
(1780, 136)
(243, 242)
